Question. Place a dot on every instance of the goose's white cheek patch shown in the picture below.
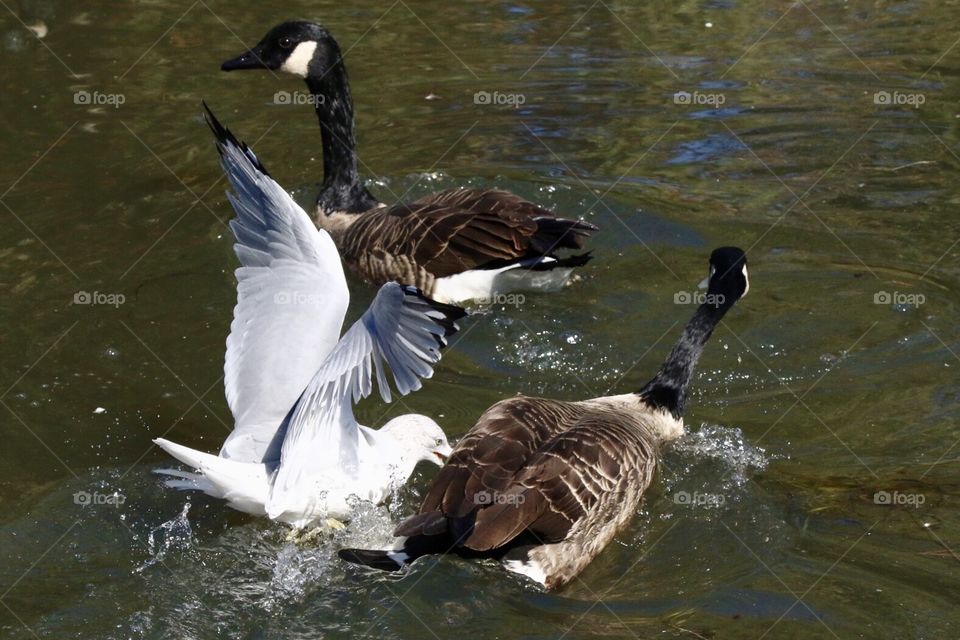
(298, 62)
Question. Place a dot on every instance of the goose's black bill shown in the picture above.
(252, 59)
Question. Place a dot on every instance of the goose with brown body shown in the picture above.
(459, 244)
(544, 485)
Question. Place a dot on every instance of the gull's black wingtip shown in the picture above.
(220, 132)
(225, 139)
(451, 312)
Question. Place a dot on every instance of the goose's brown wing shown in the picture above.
(535, 466)
(461, 229)
(486, 460)
(575, 475)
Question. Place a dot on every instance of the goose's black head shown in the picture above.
(300, 48)
(728, 280)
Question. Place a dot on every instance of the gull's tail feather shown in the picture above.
(185, 481)
(244, 485)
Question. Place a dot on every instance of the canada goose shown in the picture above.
(456, 245)
(544, 485)
(296, 453)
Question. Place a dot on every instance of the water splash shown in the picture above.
(174, 534)
(705, 473)
(302, 569)
(726, 445)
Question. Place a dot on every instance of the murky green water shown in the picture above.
(833, 381)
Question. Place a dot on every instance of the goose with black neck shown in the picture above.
(456, 245)
(544, 485)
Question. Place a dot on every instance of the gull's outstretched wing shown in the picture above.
(401, 328)
(291, 300)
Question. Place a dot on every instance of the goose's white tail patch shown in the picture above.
(485, 285)
(529, 568)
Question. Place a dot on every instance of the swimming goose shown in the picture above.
(544, 485)
(456, 245)
(296, 453)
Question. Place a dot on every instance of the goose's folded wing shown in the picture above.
(461, 229)
(401, 330)
(291, 300)
(540, 473)
(488, 458)
(589, 468)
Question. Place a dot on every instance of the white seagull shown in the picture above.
(296, 453)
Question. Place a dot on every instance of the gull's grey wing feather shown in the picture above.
(402, 330)
(291, 300)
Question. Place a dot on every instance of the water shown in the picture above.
(816, 495)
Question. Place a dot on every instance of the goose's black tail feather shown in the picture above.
(418, 546)
(570, 261)
(393, 560)
(559, 233)
(374, 559)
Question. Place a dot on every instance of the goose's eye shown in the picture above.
(286, 43)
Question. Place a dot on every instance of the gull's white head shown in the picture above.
(419, 438)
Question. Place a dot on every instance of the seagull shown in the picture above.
(296, 453)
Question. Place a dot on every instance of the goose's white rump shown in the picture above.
(296, 453)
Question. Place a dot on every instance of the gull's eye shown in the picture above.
(286, 43)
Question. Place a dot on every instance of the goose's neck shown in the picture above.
(343, 189)
(668, 389)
